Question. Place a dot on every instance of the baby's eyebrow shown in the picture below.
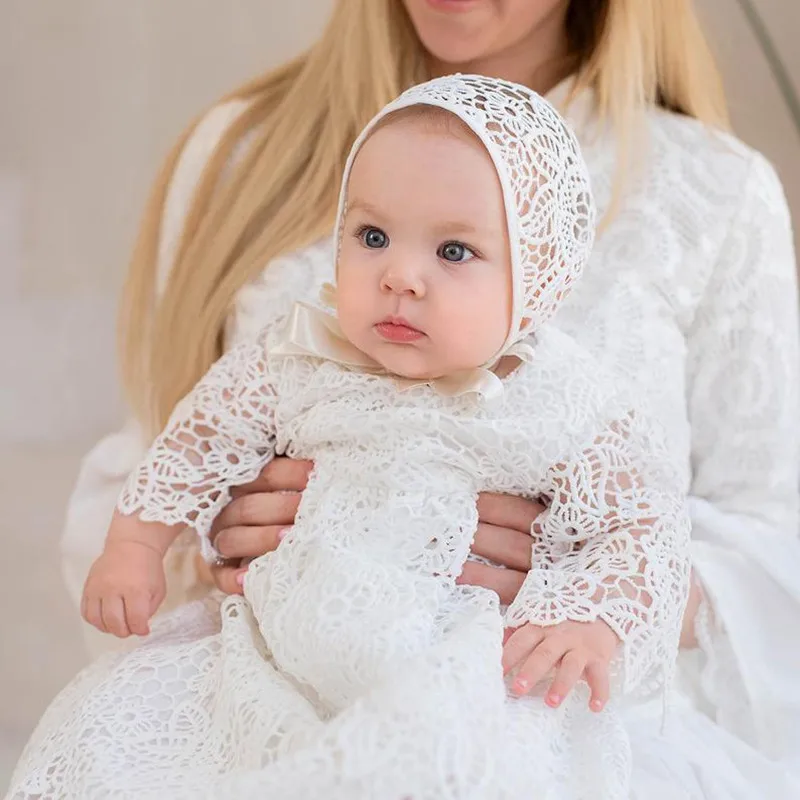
(362, 205)
(456, 226)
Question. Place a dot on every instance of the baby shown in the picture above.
(465, 218)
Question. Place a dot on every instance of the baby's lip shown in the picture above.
(399, 322)
(398, 330)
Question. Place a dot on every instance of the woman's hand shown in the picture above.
(688, 635)
(255, 520)
(504, 536)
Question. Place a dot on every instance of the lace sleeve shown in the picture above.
(219, 436)
(614, 544)
(742, 365)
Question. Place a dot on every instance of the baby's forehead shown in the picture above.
(422, 122)
(519, 152)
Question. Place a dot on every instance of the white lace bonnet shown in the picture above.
(548, 199)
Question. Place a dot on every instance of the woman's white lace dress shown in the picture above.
(691, 292)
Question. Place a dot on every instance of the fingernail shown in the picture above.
(283, 533)
(240, 577)
(554, 700)
(597, 705)
(521, 686)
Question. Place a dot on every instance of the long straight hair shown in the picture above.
(301, 120)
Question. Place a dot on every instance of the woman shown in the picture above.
(691, 293)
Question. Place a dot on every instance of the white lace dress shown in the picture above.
(344, 671)
(691, 292)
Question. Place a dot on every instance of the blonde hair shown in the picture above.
(301, 120)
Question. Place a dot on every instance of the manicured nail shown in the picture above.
(283, 533)
(554, 700)
(240, 577)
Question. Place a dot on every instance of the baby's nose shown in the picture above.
(403, 278)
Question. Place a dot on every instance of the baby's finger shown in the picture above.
(538, 664)
(137, 613)
(113, 613)
(519, 645)
(91, 612)
(568, 674)
(597, 678)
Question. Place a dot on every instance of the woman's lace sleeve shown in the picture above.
(614, 545)
(219, 436)
(743, 379)
(742, 365)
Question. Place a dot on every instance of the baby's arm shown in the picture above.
(219, 436)
(612, 552)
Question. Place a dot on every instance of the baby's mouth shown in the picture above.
(398, 331)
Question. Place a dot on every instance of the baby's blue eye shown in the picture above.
(374, 238)
(455, 252)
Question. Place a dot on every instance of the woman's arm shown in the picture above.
(742, 365)
(742, 376)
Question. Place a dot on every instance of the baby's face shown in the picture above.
(424, 273)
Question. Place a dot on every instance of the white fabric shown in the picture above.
(691, 292)
(362, 624)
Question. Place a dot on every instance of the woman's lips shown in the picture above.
(398, 330)
(452, 5)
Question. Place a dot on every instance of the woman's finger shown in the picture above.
(543, 659)
(280, 475)
(567, 675)
(505, 546)
(519, 645)
(507, 511)
(227, 579)
(248, 542)
(506, 582)
(597, 678)
(258, 510)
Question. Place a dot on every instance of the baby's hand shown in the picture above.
(574, 650)
(124, 588)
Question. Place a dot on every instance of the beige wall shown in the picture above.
(760, 114)
(93, 92)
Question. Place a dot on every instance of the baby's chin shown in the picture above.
(411, 366)
(407, 362)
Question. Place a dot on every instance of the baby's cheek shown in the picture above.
(353, 312)
(489, 328)
(472, 336)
